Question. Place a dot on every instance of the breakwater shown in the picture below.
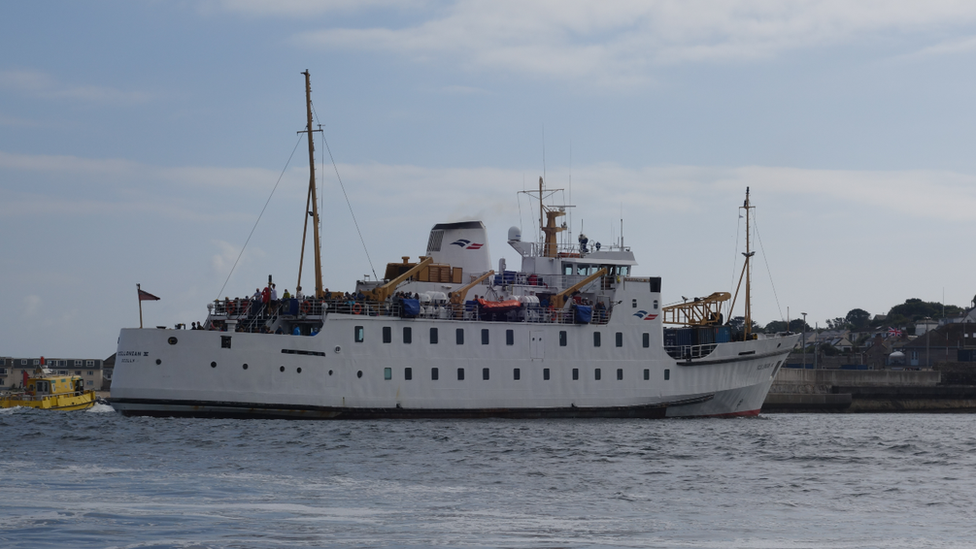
(854, 391)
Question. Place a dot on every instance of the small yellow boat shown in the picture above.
(47, 391)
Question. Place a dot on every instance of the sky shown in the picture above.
(148, 141)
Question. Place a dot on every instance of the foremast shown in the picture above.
(312, 198)
(746, 275)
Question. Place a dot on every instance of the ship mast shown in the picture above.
(312, 200)
(748, 265)
(746, 276)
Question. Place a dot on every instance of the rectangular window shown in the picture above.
(596, 374)
(460, 374)
(3, 370)
(646, 337)
(509, 337)
(91, 373)
(459, 335)
(596, 339)
(359, 334)
(562, 338)
(79, 362)
(484, 374)
(225, 342)
(408, 374)
(545, 374)
(407, 335)
(484, 336)
(647, 374)
(667, 374)
(387, 373)
(90, 383)
(77, 372)
(575, 374)
(90, 363)
(620, 374)
(516, 374)
(434, 374)
(433, 336)
(387, 334)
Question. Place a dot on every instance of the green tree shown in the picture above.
(914, 309)
(858, 318)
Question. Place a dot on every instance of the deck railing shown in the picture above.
(250, 314)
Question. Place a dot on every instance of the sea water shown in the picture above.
(96, 479)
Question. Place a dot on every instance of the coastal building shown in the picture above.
(12, 370)
(949, 343)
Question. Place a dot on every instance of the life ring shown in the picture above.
(357, 309)
(305, 307)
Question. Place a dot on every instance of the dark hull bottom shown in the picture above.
(233, 410)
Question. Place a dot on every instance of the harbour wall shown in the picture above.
(853, 391)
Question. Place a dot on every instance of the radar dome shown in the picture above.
(514, 234)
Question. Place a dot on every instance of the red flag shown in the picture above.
(146, 296)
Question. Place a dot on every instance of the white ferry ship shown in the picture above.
(572, 333)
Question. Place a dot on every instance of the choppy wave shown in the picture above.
(810, 481)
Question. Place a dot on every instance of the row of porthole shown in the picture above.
(280, 369)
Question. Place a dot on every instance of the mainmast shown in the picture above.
(312, 200)
(547, 222)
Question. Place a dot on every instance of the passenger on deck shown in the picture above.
(298, 293)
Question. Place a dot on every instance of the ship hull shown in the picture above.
(511, 370)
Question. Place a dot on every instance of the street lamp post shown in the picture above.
(804, 340)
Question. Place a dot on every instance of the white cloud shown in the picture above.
(619, 43)
(37, 83)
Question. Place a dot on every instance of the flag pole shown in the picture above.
(139, 296)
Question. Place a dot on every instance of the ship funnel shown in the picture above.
(463, 244)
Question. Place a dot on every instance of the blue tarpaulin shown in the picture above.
(583, 314)
(411, 308)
